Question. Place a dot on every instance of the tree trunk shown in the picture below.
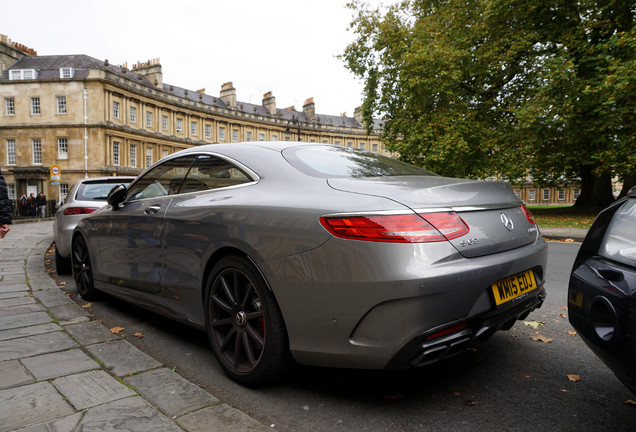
(596, 190)
(628, 182)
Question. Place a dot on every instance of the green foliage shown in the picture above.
(480, 87)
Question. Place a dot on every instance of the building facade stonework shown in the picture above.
(91, 118)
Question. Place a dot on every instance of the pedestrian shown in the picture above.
(5, 207)
(23, 205)
(32, 205)
(41, 203)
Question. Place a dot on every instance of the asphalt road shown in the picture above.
(509, 383)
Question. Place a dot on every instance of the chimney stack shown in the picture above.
(269, 102)
(357, 114)
(151, 69)
(228, 94)
(309, 108)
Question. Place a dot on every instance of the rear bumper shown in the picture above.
(429, 348)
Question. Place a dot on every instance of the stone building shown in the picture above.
(91, 118)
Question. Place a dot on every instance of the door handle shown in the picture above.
(153, 209)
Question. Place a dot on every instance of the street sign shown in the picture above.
(55, 173)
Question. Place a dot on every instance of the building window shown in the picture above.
(62, 148)
(11, 191)
(576, 193)
(179, 125)
(61, 104)
(518, 193)
(561, 194)
(546, 194)
(10, 152)
(116, 110)
(148, 156)
(362, 146)
(221, 133)
(23, 74)
(234, 135)
(374, 148)
(350, 144)
(37, 151)
(531, 195)
(9, 106)
(133, 155)
(164, 153)
(248, 136)
(164, 122)
(66, 72)
(337, 142)
(149, 118)
(274, 137)
(63, 190)
(193, 128)
(133, 115)
(325, 141)
(208, 131)
(116, 153)
(35, 105)
(261, 137)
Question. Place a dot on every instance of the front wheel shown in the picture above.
(244, 324)
(83, 269)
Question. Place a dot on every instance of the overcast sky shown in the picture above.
(288, 47)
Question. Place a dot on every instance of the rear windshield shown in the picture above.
(97, 191)
(334, 161)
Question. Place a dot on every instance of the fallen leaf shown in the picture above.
(574, 378)
(565, 391)
(563, 316)
(139, 335)
(471, 349)
(569, 240)
(534, 324)
(571, 332)
(116, 330)
(513, 335)
(87, 305)
(457, 394)
(564, 308)
(630, 402)
(541, 339)
(471, 402)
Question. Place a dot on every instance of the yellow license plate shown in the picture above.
(513, 287)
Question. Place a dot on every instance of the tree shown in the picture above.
(481, 87)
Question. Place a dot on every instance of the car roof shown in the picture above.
(106, 178)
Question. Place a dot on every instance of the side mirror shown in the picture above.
(116, 196)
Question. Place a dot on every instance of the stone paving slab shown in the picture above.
(16, 301)
(52, 298)
(34, 345)
(122, 358)
(31, 404)
(92, 388)
(220, 418)
(130, 414)
(13, 287)
(69, 312)
(18, 310)
(29, 331)
(23, 320)
(90, 332)
(12, 373)
(64, 424)
(173, 394)
(58, 364)
(14, 295)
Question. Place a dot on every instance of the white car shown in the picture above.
(85, 197)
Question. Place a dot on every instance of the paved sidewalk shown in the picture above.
(60, 371)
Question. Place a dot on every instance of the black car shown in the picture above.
(602, 289)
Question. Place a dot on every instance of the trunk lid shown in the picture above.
(492, 211)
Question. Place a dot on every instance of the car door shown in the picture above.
(131, 250)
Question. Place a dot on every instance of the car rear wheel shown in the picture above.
(83, 269)
(62, 265)
(244, 324)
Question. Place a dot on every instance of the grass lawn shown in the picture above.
(563, 216)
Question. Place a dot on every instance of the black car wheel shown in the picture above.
(82, 269)
(62, 265)
(244, 324)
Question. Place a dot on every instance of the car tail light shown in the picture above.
(446, 331)
(411, 228)
(69, 211)
(528, 214)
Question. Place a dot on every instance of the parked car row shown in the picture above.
(321, 255)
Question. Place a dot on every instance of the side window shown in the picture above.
(209, 172)
(164, 179)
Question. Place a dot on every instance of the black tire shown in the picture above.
(83, 269)
(244, 324)
(62, 265)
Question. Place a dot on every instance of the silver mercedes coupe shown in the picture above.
(318, 254)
